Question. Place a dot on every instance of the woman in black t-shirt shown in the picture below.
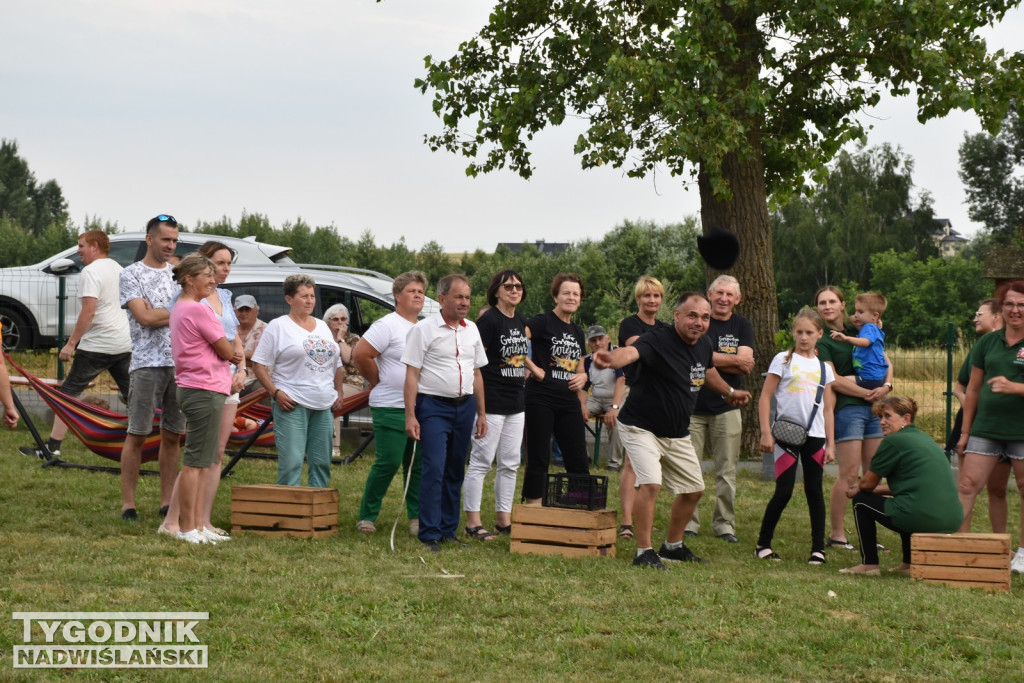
(553, 403)
(503, 332)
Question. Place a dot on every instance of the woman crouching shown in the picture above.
(920, 482)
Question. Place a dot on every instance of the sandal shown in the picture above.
(817, 558)
(503, 529)
(480, 533)
(845, 545)
(366, 526)
(626, 531)
(766, 554)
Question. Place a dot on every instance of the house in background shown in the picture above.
(546, 248)
(947, 240)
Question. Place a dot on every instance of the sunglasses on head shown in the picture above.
(171, 220)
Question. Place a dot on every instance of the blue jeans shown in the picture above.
(445, 434)
(303, 433)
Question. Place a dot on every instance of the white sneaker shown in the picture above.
(1017, 564)
(214, 535)
(195, 537)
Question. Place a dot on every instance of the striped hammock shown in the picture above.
(103, 431)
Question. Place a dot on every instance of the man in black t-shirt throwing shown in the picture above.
(672, 365)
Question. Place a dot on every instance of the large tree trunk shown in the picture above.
(746, 215)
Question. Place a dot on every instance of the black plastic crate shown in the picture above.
(577, 491)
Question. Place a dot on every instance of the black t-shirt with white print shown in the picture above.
(670, 373)
(557, 349)
(506, 344)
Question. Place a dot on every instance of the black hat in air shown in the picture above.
(719, 248)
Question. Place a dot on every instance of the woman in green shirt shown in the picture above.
(993, 406)
(921, 494)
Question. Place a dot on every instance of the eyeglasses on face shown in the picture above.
(512, 287)
(1011, 306)
(339, 319)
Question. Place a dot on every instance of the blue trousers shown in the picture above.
(302, 434)
(445, 433)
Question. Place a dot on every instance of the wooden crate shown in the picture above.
(284, 510)
(562, 531)
(970, 560)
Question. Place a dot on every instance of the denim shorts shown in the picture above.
(1013, 450)
(856, 423)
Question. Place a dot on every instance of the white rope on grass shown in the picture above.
(405, 492)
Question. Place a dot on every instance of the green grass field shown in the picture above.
(348, 608)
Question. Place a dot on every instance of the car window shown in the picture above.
(125, 252)
(186, 248)
(370, 311)
(270, 298)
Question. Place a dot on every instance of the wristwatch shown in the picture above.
(615, 406)
(888, 384)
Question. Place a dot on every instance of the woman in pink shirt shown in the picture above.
(201, 354)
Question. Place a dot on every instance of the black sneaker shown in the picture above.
(680, 554)
(432, 547)
(648, 559)
(43, 453)
(130, 515)
(454, 541)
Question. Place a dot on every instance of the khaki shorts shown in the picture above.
(655, 459)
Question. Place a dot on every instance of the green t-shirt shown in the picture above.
(840, 354)
(999, 415)
(924, 492)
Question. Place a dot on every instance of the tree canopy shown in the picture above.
(991, 168)
(865, 205)
(34, 206)
(752, 97)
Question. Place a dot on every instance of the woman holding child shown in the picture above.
(857, 430)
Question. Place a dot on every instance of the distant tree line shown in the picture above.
(862, 228)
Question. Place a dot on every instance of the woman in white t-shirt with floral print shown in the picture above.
(298, 363)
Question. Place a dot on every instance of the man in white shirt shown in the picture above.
(100, 340)
(443, 391)
(147, 291)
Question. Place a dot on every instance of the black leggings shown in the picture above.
(784, 491)
(869, 508)
(565, 421)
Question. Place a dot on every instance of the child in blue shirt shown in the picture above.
(869, 346)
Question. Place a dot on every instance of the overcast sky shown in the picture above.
(206, 108)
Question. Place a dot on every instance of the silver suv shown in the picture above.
(366, 294)
(28, 294)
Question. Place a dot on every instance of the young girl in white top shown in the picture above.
(792, 380)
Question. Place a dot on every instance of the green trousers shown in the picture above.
(394, 449)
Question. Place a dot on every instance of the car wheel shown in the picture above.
(17, 333)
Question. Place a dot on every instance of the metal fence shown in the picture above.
(927, 375)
